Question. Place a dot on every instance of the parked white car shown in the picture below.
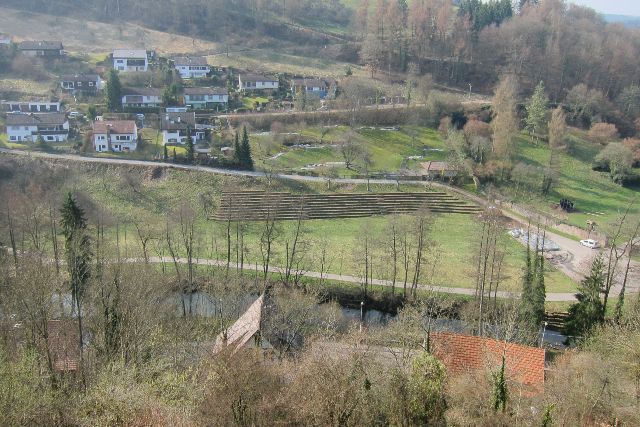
(590, 243)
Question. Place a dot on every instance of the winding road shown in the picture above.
(578, 256)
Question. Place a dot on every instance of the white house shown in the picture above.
(31, 106)
(206, 97)
(144, 97)
(320, 88)
(115, 135)
(126, 60)
(53, 127)
(176, 126)
(192, 67)
(257, 82)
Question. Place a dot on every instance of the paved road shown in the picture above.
(555, 297)
(578, 259)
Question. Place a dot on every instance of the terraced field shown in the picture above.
(259, 205)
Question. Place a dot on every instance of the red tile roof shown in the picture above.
(462, 353)
(64, 344)
(115, 126)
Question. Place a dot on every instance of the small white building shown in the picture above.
(141, 97)
(192, 67)
(250, 82)
(127, 60)
(206, 97)
(115, 135)
(31, 106)
(176, 126)
(25, 127)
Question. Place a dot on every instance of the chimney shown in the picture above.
(179, 119)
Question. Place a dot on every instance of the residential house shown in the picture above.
(31, 106)
(86, 84)
(141, 97)
(192, 67)
(115, 135)
(434, 169)
(127, 60)
(42, 49)
(320, 88)
(176, 126)
(251, 82)
(53, 127)
(206, 97)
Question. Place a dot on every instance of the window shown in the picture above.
(120, 68)
(79, 84)
(49, 138)
(13, 138)
(90, 83)
(26, 128)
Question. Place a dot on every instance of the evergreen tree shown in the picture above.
(114, 91)
(165, 154)
(175, 157)
(537, 112)
(587, 312)
(540, 292)
(78, 251)
(237, 161)
(41, 143)
(190, 148)
(246, 162)
(500, 391)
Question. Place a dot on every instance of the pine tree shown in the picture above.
(540, 293)
(500, 391)
(175, 156)
(165, 154)
(114, 91)
(245, 151)
(78, 251)
(587, 312)
(237, 159)
(537, 112)
(189, 147)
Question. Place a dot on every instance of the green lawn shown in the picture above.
(250, 102)
(596, 197)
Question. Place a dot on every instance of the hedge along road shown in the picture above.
(579, 256)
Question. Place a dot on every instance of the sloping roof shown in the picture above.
(186, 61)
(178, 121)
(463, 353)
(437, 166)
(35, 119)
(129, 53)
(115, 126)
(257, 78)
(205, 91)
(40, 45)
(79, 77)
(143, 91)
(308, 82)
(64, 344)
(242, 330)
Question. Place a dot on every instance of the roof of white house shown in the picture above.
(178, 121)
(205, 91)
(129, 53)
(313, 82)
(257, 78)
(115, 126)
(143, 91)
(35, 119)
(186, 61)
(79, 77)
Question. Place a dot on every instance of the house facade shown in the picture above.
(141, 97)
(87, 84)
(31, 106)
(53, 127)
(252, 82)
(42, 49)
(176, 126)
(115, 135)
(319, 88)
(128, 60)
(192, 67)
(206, 97)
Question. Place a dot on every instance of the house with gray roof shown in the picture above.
(41, 49)
(141, 97)
(192, 67)
(127, 60)
(206, 97)
(25, 127)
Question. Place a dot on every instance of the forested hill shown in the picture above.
(217, 20)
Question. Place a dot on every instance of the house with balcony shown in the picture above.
(128, 60)
(206, 98)
(141, 97)
(41, 49)
(192, 67)
(31, 106)
(257, 82)
(313, 87)
(176, 126)
(84, 84)
(25, 127)
(115, 135)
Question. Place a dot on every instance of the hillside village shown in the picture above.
(404, 235)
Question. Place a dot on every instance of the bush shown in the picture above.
(617, 159)
(603, 133)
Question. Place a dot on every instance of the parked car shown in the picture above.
(140, 116)
(590, 243)
(75, 115)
